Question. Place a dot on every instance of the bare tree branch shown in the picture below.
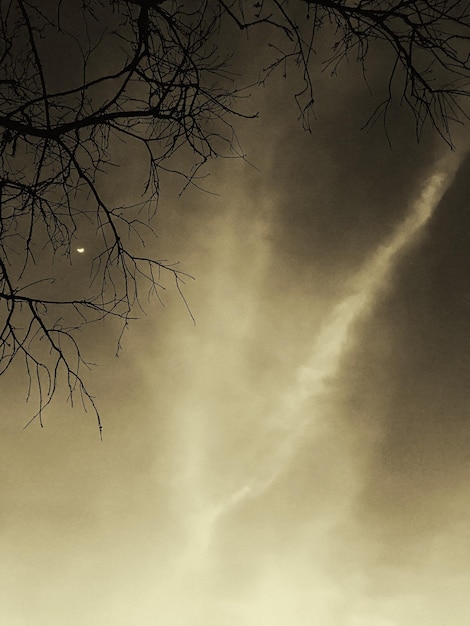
(169, 92)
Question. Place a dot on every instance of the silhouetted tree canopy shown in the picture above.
(84, 82)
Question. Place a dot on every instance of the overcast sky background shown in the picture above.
(301, 455)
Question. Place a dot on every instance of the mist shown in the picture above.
(298, 455)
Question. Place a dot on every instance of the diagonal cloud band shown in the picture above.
(332, 341)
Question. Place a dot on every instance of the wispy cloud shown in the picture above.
(333, 340)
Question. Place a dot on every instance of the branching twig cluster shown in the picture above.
(84, 80)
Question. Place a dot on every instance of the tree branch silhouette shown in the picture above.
(80, 80)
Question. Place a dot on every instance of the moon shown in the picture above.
(81, 250)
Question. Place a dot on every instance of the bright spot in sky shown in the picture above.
(81, 250)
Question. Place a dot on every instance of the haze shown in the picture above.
(300, 455)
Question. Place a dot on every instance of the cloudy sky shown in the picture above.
(298, 456)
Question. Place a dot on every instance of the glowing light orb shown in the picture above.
(81, 250)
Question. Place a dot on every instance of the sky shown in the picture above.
(297, 456)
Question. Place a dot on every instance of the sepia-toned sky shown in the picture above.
(299, 456)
